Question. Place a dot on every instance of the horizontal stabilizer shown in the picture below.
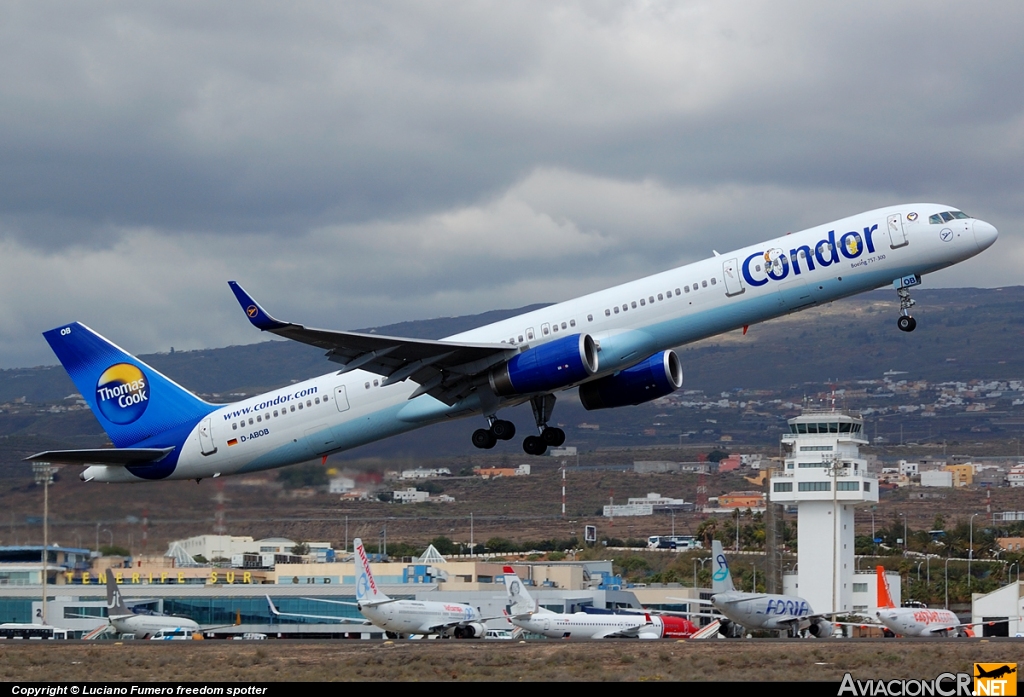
(103, 456)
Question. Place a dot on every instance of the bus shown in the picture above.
(676, 542)
(14, 630)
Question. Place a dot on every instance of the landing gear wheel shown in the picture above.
(906, 323)
(533, 445)
(503, 430)
(553, 437)
(484, 439)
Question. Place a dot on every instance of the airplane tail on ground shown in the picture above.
(367, 592)
(519, 600)
(115, 604)
(721, 577)
(884, 599)
(131, 400)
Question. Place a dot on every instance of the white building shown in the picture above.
(825, 478)
(1015, 477)
(410, 495)
(627, 510)
(940, 478)
(1003, 608)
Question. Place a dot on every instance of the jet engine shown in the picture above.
(547, 367)
(659, 375)
(473, 630)
(820, 628)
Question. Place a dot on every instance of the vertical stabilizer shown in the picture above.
(520, 602)
(367, 592)
(721, 577)
(884, 599)
(131, 400)
(115, 604)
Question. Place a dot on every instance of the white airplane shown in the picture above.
(525, 613)
(143, 626)
(915, 621)
(614, 345)
(768, 611)
(401, 618)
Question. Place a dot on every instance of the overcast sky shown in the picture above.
(356, 164)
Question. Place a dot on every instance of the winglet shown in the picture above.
(273, 609)
(256, 314)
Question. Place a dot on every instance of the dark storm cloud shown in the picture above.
(365, 163)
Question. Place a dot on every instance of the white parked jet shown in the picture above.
(143, 626)
(915, 621)
(525, 613)
(401, 618)
(615, 345)
(788, 613)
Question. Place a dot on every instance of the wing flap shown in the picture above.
(118, 457)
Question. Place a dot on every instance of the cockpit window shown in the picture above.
(946, 216)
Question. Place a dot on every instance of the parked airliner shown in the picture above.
(614, 345)
(525, 613)
(915, 621)
(412, 617)
(126, 621)
(789, 613)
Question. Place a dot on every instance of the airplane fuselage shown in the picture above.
(143, 626)
(764, 611)
(629, 322)
(420, 617)
(910, 621)
(581, 625)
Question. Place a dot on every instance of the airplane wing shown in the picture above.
(343, 620)
(443, 369)
(102, 456)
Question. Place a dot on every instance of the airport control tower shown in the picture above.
(825, 479)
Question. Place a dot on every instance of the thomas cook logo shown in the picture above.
(995, 678)
(122, 393)
(252, 310)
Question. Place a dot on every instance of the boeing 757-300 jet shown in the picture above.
(615, 345)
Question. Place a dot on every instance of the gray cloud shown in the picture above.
(356, 164)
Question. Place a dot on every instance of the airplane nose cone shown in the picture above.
(984, 234)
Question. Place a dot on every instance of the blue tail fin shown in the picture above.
(132, 401)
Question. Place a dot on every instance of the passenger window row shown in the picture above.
(259, 418)
(625, 307)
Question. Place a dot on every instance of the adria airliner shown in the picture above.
(615, 346)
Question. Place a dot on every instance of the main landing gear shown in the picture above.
(550, 437)
(487, 438)
(906, 323)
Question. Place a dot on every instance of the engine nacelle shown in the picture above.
(473, 630)
(547, 367)
(820, 628)
(659, 375)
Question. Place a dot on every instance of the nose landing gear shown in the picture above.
(906, 323)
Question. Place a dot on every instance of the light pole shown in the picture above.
(44, 475)
(970, 554)
(946, 574)
(702, 561)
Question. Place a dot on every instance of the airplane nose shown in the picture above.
(984, 234)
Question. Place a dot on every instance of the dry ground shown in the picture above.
(739, 660)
